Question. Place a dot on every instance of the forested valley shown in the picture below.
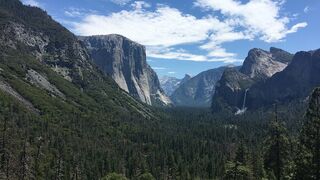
(180, 144)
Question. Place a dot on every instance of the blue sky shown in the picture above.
(190, 36)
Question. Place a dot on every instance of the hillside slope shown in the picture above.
(58, 112)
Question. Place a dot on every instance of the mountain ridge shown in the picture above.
(258, 67)
(198, 91)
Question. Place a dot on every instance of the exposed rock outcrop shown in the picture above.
(41, 81)
(125, 61)
(5, 87)
(258, 67)
(230, 90)
(295, 82)
(261, 64)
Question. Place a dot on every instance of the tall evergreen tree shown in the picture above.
(308, 158)
(277, 152)
(239, 169)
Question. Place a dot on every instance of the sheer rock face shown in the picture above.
(125, 61)
(281, 55)
(198, 91)
(258, 67)
(261, 64)
(230, 90)
(295, 82)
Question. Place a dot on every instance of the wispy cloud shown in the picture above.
(78, 12)
(172, 72)
(159, 68)
(140, 5)
(306, 9)
(163, 28)
(121, 2)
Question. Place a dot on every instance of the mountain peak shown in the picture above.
(186, 78)
(261, 64)
(281, 55)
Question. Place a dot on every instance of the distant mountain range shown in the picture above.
(170, 84)
(197, 91)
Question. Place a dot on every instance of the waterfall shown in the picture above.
(245, 99)
(243, 109)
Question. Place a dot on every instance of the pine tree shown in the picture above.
(276, 159)
(239, 169)
(308, 158)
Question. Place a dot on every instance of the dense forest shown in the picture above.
(97, 131)
(180, 144)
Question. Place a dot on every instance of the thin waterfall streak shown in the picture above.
(243, 109)
(245, 99)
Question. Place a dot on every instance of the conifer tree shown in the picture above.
(308, 158)
(239, 169)
(277, 152)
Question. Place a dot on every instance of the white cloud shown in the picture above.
(159, 30)
(257, 18)
(220, 53)
(178, 56)
(31, 3)
(121, 2)
(306, 9)
(171, 72)
(78, 12)
(163, 29)
(159, 68)
(140, 5)
(217, 55)
(296, 27)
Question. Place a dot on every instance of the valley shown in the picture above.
(91, 107)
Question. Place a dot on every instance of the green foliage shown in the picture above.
(146, 176)
(277, 152)
(114, 176)
(239, 169)
(308, 155)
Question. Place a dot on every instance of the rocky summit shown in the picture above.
(125, 61)
(198, 91)
(259, 66)
(170, 84)
(295, 82)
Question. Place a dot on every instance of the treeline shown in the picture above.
(182, 144)
(283, 155)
